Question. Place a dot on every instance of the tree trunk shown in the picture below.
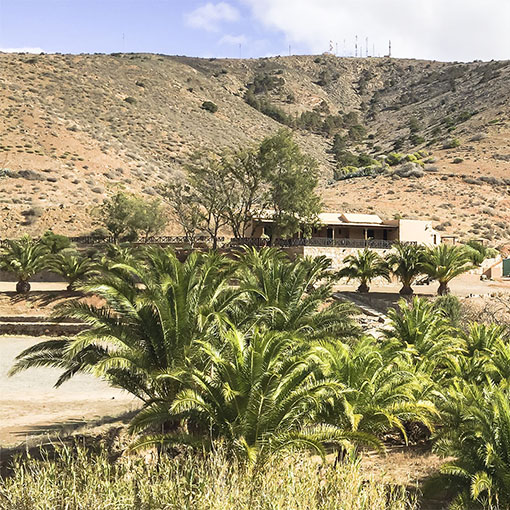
(22, 287)
(406, 290)
(363, 288)
(443, 289)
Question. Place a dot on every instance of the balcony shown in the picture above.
(374, 244)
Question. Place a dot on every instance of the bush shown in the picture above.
(452, 143)
(209, 106)
(394, 158)
(130, 100)
(357, 133)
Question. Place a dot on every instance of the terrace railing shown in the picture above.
(376, 244)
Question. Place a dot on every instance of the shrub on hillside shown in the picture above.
(451, 143)
(209, 106)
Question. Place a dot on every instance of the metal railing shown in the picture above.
(376, 244)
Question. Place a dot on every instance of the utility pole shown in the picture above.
(366, 47)
(356, 47)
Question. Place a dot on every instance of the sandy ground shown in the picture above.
(30, 405)
(462, 286)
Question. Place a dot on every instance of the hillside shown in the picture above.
(76, 127)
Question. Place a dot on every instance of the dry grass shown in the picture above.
(76, 480)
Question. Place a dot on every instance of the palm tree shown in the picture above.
(418, 331)
(383, 392)
(154, 310)
(477, 435)
(477, 252)
(406, 263)
(293, 296)
(444, 262)
(485, 354)
(72, 266)
(365, 266)
(24, 258)
(260, 394)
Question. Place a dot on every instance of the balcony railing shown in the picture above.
(376, 244)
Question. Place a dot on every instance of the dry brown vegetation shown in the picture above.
(75, 127)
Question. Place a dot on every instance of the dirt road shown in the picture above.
(30, 405)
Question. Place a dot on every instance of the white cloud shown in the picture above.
(433, 29)
(233, 39)
(21, 50)
(210, 16)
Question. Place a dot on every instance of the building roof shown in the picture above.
(337, 219)
(361, 218)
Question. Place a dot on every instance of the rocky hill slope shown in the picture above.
(76, 127)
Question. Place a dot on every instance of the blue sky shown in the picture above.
(161, 26)
(433, 29)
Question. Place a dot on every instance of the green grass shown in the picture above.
(77, 480)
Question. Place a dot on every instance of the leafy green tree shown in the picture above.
(208, 174)
(260, 395)
(364, 266)
(186, 209)
(126, 216)
(154, 310)
(71, 265)
(24, 258)
(287, 295)
(291, 188)
(444, 262)
(148, 218)
(406, 263)
(244, 187)
(114, 214)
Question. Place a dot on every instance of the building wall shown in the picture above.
(418, 231)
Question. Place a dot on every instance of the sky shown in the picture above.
(450, 30)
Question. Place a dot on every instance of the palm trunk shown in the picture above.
(443, 289)
(363, 287)
(406, 290)
(23, 287)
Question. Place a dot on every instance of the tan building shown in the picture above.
(354, 231)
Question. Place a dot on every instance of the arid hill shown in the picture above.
(76, 127)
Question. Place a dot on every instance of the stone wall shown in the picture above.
(337, 255)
